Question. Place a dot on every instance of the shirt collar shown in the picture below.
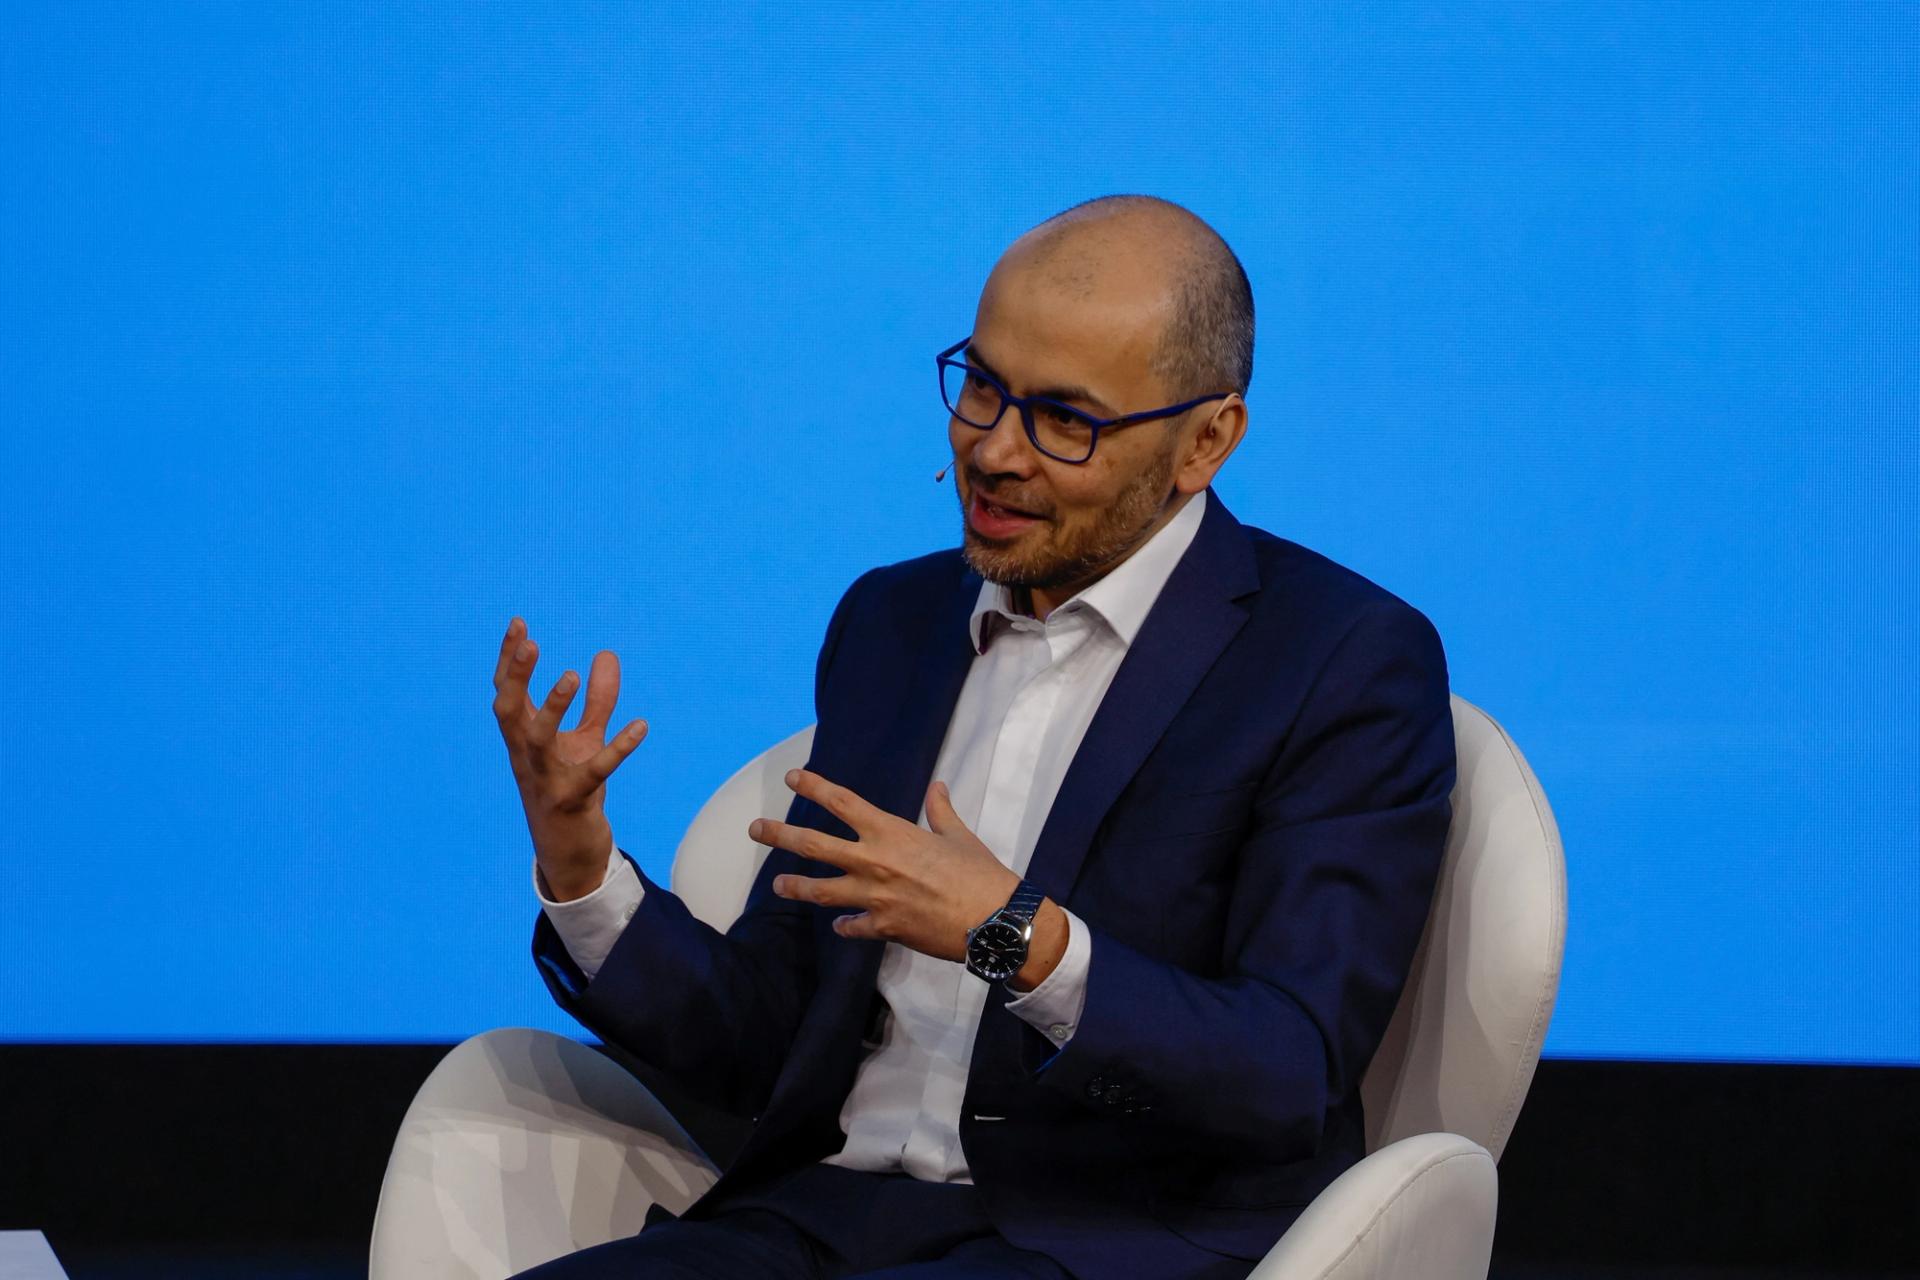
(1123, 597)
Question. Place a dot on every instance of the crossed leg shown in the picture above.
(758, 1244)
(981, 1258)
(746, 1244)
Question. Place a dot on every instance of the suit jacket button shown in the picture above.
(1115, 1095)
(1096, 1086)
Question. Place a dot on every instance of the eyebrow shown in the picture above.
(1047, 393)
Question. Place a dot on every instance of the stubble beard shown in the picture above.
(1086, 554)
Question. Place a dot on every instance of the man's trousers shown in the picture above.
(821, 1222)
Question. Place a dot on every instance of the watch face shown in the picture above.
(996, 950)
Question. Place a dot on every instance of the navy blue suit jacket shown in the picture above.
(1251, 831)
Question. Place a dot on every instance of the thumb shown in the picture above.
(940, 815)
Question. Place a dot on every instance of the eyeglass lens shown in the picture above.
(978, 401)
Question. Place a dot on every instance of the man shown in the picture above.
(1108, 864)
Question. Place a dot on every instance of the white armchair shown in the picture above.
(522, 1145)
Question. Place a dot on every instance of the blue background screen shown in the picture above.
(332, 336)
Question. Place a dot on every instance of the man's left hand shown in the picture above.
(922, 889)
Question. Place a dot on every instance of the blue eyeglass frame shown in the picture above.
(1025, 404)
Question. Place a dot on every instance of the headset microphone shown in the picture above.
(941, 474)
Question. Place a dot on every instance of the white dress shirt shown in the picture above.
(1028, 698)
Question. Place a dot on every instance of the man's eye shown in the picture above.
(978, 382)
(1062, 417)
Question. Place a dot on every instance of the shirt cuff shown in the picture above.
(589, 926)
(1054, 1006)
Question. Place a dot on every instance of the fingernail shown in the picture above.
(753, 828)
(526, 647)
(793, 777)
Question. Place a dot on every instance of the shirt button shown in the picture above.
(1058, 1031)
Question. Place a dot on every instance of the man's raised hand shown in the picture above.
(562, 776)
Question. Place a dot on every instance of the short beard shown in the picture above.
(1090, 553)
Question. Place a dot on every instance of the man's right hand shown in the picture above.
(562, 776)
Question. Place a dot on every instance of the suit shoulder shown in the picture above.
(1303, 583)
(912, 582)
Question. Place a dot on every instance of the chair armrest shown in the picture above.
(1418, 1209)
(520, 1147)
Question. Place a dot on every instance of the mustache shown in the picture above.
(1009, 500)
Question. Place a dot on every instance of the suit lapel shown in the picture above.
(1193, 620)
(896, 776)
(939, 663)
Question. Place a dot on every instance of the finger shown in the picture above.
(859, 925)
(825, 891)
(547, 722)
(603, 762)
(603, 690)
(941, 818)
(841, 802)
(808, 843)
(510, 701)
(516, 632)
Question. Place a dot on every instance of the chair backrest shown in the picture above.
(717, 860)
(1461, 1048)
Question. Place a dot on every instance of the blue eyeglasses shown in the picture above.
(1058, 430)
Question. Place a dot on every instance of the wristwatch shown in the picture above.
(997, 946)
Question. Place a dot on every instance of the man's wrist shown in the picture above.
(577, 882)
(1045, 946)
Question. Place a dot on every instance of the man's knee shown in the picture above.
(748, 1244)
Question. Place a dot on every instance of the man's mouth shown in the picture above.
(1002, 509)
(996, 520)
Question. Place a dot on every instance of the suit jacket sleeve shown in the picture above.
(1333, 887)
(714, 1011)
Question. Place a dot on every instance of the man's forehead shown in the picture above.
(1028, 326)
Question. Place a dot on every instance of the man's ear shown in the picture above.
(1219, 435)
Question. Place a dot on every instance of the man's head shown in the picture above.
(1116, 306)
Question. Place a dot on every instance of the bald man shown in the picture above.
(1107, 867)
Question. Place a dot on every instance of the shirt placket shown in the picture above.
(1005, 799)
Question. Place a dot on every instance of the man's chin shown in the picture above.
(990, 560)
(981, 543)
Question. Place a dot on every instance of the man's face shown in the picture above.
(1086, 338)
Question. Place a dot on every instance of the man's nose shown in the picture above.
(1004, 446)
